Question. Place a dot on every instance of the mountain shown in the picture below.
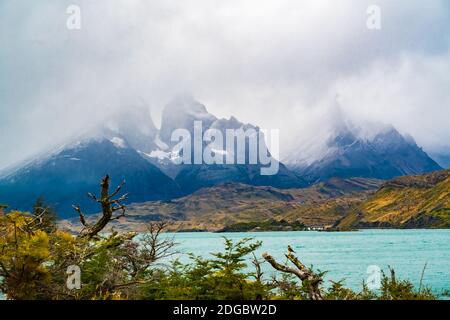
(384, 155)
(128, 146)
(135, 125)
(69, 173)
(181, 113)
(406, 202)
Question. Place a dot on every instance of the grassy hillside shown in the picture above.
(406, 202)
(218, 207)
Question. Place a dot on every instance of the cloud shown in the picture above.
(410, 93)
(278, 64)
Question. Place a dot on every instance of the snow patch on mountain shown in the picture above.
(118, 142)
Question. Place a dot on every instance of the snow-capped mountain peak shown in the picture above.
(375, 151)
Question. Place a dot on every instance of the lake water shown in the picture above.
(347, 255)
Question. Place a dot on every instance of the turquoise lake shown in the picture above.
(347, 255)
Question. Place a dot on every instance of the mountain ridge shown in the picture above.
(385, 155)
(129, 145)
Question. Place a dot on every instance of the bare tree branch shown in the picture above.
(116, 192)
(93, 197)
(82, 217)
(306, 276)
(109, 206)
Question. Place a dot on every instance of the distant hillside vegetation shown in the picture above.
(406, 202)
(249, 207)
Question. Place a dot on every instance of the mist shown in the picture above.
(277, 64)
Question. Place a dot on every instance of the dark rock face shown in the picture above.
(194, 177)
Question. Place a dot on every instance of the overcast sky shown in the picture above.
(277, 64)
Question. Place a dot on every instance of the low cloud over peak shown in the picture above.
(274, 64)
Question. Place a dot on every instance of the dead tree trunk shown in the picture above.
(109, 207)
(306, 275)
